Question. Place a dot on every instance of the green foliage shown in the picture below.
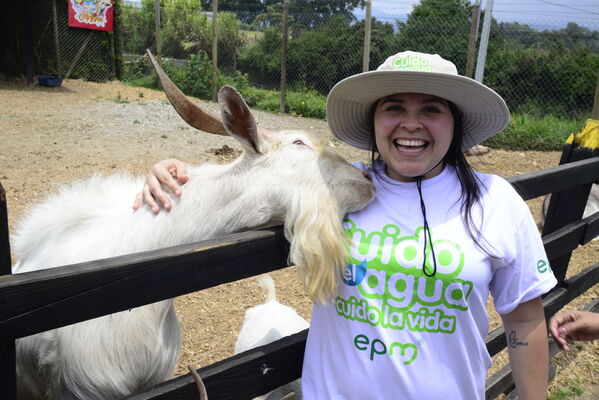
(320, 57)
(527, 132)
(306, 104)
(184, 33)
(263, 60)
(196, 76)
(523, 75)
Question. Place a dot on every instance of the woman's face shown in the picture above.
(413, 132)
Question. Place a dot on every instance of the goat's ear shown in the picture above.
(239, 121)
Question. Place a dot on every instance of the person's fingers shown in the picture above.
(138, 200)
(557, 321)
(153, 180)
(149, 199)
(178, 170)
(166, 177)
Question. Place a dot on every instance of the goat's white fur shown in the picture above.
(266, 323)
(288, 176)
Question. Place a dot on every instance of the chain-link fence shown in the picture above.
(541, 67)
(549, 70)
(56, 48)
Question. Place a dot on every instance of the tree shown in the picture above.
(439, 27)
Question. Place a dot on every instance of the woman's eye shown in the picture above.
(394, 108)
(298, 142)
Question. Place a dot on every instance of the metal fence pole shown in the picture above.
(484, 41)
(56, 41)
(284, 56)
(214, 50)
(157, 29)
(473, 39)
(367, 29)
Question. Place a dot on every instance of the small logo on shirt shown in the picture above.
(354, 274)
(543, 266)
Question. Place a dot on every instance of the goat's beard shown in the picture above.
(318, 245)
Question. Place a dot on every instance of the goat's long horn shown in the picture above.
(191, 113)
(199, 383)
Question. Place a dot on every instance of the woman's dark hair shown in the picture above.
(469, 182)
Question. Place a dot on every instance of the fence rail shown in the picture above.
(30, 302)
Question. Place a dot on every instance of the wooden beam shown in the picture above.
(244, 376)
(30, 302)
(554, 179)
(8, 376)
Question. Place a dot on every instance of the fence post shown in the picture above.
(367, 30)
(284, 57)
(157, 29)
(28, 42)
(484, 41)
(56, 41)
(214, 50)
(473, 39)
(8, 371)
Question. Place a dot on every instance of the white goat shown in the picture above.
(288, 177)
(266, 323)
(590, 208)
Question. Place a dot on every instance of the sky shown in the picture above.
(531, 12)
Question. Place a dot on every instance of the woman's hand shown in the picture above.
(166, 172)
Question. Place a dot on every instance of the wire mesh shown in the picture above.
(57, 48)
(542, 67)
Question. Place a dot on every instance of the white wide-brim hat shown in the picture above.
(350, 100)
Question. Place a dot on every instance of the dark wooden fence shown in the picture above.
(42, 300)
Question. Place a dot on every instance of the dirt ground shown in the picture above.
(52, 136)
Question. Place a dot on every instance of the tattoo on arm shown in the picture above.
(513, 341)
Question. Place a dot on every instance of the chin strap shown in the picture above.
(427, 231)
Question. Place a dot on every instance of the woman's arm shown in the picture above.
(165, 172)
(526, 334)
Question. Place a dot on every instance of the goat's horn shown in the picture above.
(191, 113)
(199, 383)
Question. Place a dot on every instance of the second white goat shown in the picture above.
(266, 323)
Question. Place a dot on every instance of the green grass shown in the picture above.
(571, 391)
(526, 132)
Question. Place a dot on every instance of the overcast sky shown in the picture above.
(551, 12)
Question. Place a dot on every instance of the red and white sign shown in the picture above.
(91, 14)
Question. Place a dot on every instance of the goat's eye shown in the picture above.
(299, 142)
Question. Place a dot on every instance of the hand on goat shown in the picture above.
(568, 326)
(166, 172)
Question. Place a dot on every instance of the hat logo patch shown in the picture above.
(412, 63)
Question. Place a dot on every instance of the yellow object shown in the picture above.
(588, 137)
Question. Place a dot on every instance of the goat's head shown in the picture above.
(312, 186)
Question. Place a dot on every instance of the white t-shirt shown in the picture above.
(393, 333)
